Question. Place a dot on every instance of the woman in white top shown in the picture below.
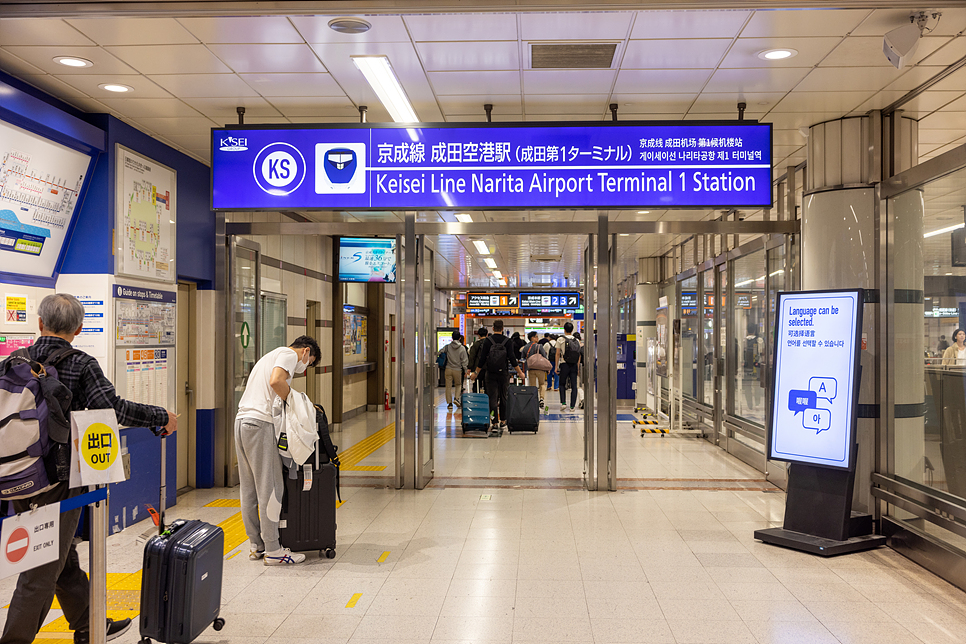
(956, 353)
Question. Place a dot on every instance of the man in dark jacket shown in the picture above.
(62, 318)
(497, 373)
(478, 385)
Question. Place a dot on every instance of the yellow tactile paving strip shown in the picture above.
(351, 458)
(224, 503)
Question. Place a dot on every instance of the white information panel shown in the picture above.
(815, 379)
(146, 217)
(40, 184)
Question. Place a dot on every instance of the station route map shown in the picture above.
(146, 217)
(40, 183)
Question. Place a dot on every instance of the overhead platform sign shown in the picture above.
(550, 303)
(489, 166)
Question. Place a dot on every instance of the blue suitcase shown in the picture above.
(475, 412)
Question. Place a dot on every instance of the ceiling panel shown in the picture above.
(948, 54)
(675, 54)
(53, 85)
(848, 79)
(473, 105)
(450, 83)
(557, 81)
(268, 58)
(205, 85)
(581, 104)
(385, 29)
(150, 107)
(469, 56)
(222, 110)
(319, 107)
(581, 26)
(261, 29)
(170, 59)
(32, 31)
(89, 84)
(920, 105)
(656, 103)
(866, 51)
(284, 85)
(756, 101)
(469, 26)
(952, 22)
(43, 57)
(677, 81)
(816, 22)
(756, 80)
(689, 24)
(16, 66)
(133, 31)
(179, 126)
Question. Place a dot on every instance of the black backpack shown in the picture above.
(571, 354)
(496, 359)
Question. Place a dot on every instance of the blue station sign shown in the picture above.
(440, 167)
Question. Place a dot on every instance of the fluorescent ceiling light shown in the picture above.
(378, 72)
(115, 87)
(466, 219)
(481, 247)
(498, 275)
(73, 61)
(777, 54)
(948, 229)
(490, 262)
(502, 282)
(643, 212)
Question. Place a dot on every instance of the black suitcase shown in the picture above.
(307, 521)
(523, 409)
(181, 582)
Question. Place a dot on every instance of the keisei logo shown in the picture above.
(233, 144)
(279, 169)
(340, 168)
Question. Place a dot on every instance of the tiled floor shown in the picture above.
(502, 564)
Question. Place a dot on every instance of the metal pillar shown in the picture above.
(590, 353)
(606, 358)
(409, 354)
(398, 477)
(98, 576)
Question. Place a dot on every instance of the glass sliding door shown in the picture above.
(244, 336)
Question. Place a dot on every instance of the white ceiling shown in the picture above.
(190, 73)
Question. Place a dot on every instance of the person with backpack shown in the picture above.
(496, 358)
(454, 361)
(474, 352)
(79, 384)
(552, 377)
(537, 366)
(568, 361)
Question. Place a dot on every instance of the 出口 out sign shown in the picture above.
(600, 165)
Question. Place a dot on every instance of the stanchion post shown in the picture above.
(98, 566)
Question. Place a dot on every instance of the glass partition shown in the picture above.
(749, 310)
(690, 336)
(707, 337)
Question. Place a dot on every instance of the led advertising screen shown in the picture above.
(816, 378)
(367, 259)
(41, 184)
(493, 166)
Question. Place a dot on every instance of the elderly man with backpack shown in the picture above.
(79, 384)
(496, 358)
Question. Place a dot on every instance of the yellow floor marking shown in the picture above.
(382, 558)
(234, 532)
(354, 455)
(234, 555)
(650, 430)
(338, 504)
(352, 602)
(54, 640)
(224, 503)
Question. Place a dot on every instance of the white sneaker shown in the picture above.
(255, 555)
(283, 556)
(563, 407)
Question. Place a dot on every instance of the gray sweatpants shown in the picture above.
(262, 485)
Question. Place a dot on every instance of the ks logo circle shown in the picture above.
(279, 169)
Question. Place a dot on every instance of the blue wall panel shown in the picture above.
(129, 500)
(205, 448)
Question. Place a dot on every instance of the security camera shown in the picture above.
(899, 45)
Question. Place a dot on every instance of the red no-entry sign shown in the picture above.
(17, 545)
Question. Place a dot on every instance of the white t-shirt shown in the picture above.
(562, 345)
(256, 402)
(960, 356)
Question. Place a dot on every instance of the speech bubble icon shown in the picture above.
(818, 419)
(823, 387)
(801, 399)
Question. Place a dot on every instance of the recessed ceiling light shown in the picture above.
(777, 54)
(490, 262)
(116, 87)
(466, 219)
(625, 234)
(481, 247)
(73, 61)
(349, 25)
(643, 212)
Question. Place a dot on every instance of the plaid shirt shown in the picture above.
(92, 390)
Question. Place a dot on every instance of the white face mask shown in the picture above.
(302, 366)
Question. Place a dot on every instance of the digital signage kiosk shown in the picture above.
(815, 390)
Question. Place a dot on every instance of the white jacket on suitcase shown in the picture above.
(296, 419)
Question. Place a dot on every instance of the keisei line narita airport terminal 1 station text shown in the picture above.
(603, 165)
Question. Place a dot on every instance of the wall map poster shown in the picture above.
(355, 333)
(40, 182)
(146, 218)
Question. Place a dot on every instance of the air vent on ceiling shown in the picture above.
(590, 55)
(545, 258)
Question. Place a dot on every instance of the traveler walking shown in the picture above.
(455, 368)
(474, 352)
(496, 359)
(568, 359)
(536, 365)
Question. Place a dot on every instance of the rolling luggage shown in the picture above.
(181, 582)
(476, 412)
(523, 409)
(307, 520)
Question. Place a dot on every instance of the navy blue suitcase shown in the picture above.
(523, 409)
(181, 582)
(475, 412)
